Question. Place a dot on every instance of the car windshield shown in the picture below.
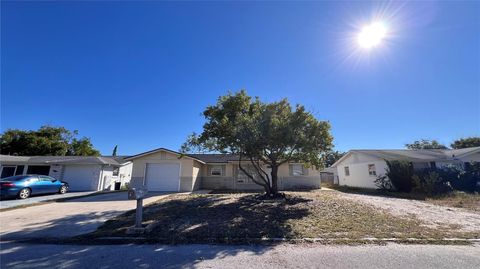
(15, 178)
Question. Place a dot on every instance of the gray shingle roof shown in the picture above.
(420, 154)
(415, 155)
(405, 154)
(205, 158)
(158, 150)
(63, 159)
(215, 158)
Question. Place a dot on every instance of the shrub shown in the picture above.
(462, 179)
(430, 183)
(383, 183)
(471, 178)
(401, 177)
(400, 174)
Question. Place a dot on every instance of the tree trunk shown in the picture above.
(268, 191)
(274, 175)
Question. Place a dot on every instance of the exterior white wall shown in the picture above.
(358, 166)
(125, 173)
(107, 180)
(56, 171)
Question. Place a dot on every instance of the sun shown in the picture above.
(372, 35)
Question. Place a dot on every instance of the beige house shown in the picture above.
(166, 170)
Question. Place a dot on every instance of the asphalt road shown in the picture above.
(12, 202)
(219, 256)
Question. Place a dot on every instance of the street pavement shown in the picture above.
(13, 255)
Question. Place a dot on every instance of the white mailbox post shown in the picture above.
(138, 194)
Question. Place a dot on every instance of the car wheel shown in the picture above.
(63, 190)
(24, 193)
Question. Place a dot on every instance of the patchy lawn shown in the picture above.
(463, 200)
(467, 201)
(242, 218)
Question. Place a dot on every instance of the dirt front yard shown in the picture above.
(432, 213)
(243, 218)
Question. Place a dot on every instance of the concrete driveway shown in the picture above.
(68, 218)
(8, 203)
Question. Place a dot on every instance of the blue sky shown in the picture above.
(140, 74)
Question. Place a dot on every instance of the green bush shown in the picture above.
(430, 183)
(400, 174)
(383, 183)
(462, 179)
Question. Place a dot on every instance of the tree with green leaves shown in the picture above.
(46, 141)
(467, 142)
(425, 144)
(263, 135)
(331, 157)
(82, 147)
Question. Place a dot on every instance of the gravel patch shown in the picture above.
(431, 215)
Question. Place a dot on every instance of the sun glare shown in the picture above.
(372, 35)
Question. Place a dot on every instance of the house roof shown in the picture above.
(215, 158)
(203, 158)
(108, 160)
(463, 152)
(159, 150)
(414, 155)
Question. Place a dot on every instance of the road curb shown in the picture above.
(113, 240)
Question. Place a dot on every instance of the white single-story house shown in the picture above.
(360, 168)
(82, 173)
(167, 170)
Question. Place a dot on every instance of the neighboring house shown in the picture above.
(166, 170)
(83, 173)
(360, 168)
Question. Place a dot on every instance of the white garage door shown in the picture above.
(81, 177)
(162, 176)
